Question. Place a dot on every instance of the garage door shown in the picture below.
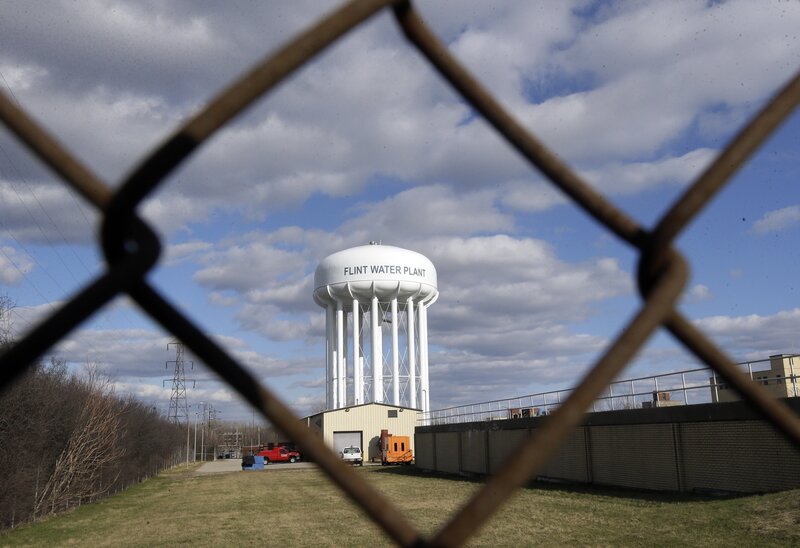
(346, 439)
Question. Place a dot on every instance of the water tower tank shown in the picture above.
(383, 291)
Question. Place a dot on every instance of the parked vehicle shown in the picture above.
(352, 455)
(279, 454)
(395, 449)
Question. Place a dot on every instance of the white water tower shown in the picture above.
(376, 299)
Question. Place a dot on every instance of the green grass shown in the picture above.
(301, 508)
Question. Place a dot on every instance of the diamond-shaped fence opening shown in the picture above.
(131, 250)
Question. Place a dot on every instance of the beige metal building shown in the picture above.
(361, 425)
(781, 379)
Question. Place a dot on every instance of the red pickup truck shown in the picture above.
(279, 454)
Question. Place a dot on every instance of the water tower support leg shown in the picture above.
(423, 357)
(330, 358)
(377, 358)
(358, 373)
(395, 357)
(412, 357)
(339, 380)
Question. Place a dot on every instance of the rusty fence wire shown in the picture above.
(131, 250)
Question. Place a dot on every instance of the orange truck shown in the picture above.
(395, 449)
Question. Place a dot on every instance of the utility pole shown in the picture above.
(196, 414)
(209, 414)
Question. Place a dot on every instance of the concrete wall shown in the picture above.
(713, 447)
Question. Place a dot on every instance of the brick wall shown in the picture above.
(571, 463)
(634, 455)
(502, 443)
(737, 456)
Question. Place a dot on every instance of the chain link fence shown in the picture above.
(131, 250)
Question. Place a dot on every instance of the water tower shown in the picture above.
(376, 299)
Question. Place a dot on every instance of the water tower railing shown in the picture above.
(687, 387)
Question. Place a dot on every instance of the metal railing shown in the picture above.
(131, 249)
(687, 387)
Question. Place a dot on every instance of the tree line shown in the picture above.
(67, 439)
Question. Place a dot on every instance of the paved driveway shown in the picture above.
(221, 465)
(234, 465)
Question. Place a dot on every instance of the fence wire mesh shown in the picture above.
(131, 250)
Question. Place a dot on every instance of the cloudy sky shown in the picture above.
(368, 143)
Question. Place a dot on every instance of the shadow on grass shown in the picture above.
(574, 488)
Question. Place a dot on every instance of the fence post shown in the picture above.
(685, 393)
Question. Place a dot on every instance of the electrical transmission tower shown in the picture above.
(178, 407)
(210, 413)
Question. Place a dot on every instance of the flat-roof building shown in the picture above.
(780, 379)
(361, 426)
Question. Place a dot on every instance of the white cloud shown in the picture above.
(531, 197)
(699, 292)
(501, 295)
(501, 47)
(367, 142)
(244, 267)
(177, 253)
(120, 352)
(679, 43)
(45, 212)
(634, 177)
(273, 323)
(370, 105)
(21, 77)
(223, 300)
(14, 266)
(778, 220)
(461, 377)
(427, 211)
(754, 334)
(24, 318)
(675, 60)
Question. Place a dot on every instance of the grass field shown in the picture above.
(302, 508)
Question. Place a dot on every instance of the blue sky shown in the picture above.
(368, 143)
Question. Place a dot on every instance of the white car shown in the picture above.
(352, 455)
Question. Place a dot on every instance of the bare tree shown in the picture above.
(92, 448)
(62, 440)
(6, 326)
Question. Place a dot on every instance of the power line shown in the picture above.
(20, 178)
